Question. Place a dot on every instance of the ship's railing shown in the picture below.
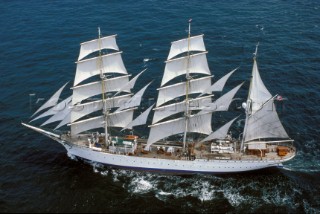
(241, 161)
(121, 150)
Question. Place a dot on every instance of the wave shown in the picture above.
(239, 190)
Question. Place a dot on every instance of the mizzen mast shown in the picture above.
(249, 101)
(262, 121)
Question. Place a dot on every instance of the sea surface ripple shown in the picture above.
(39, 43)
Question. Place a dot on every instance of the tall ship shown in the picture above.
(181, 138)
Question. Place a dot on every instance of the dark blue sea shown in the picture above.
(39, 43)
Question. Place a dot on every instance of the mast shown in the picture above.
(262, 121)
(175, 66)
(187, 112)
(102, 78)
(248, 107)
(80, 106)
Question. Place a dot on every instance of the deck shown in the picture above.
(173, 150)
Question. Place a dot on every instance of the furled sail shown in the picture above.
(52, 101)
(219, 85)
(111, 63)
(220, 133)
(223, 103)
(108, 42)
(135, 100)
(181, 46)
(140, 120)
(168, 110)
(85, 91)
(258, 94)
(176, 67)
(196, 123)
(173, 91)
(55, 109)
(264, 123)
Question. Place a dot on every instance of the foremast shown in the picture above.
(117, 109)
(81, 111)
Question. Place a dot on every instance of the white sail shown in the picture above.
(219, 85)
(111, 63)
(223, 103)
(264, 123)
(55, 109)
(181, 46)
(85, 125)
(135, 100)
(140, 120)
(58, 116)
(168, 110)
(81, 110)
(196, 123)
(52, 101)
(130, 84)
(66, 120)
(83, 92)
(220, 133)
(173, 91)
(258, 94)
(118, 119)
(197, 64)
(108, 42)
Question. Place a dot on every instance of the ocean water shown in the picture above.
(39, 43)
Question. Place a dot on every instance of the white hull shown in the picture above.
(170, 166)
(163, 165)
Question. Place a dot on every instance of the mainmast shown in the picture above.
(102, 78)
(185, 65)
(187, 112)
